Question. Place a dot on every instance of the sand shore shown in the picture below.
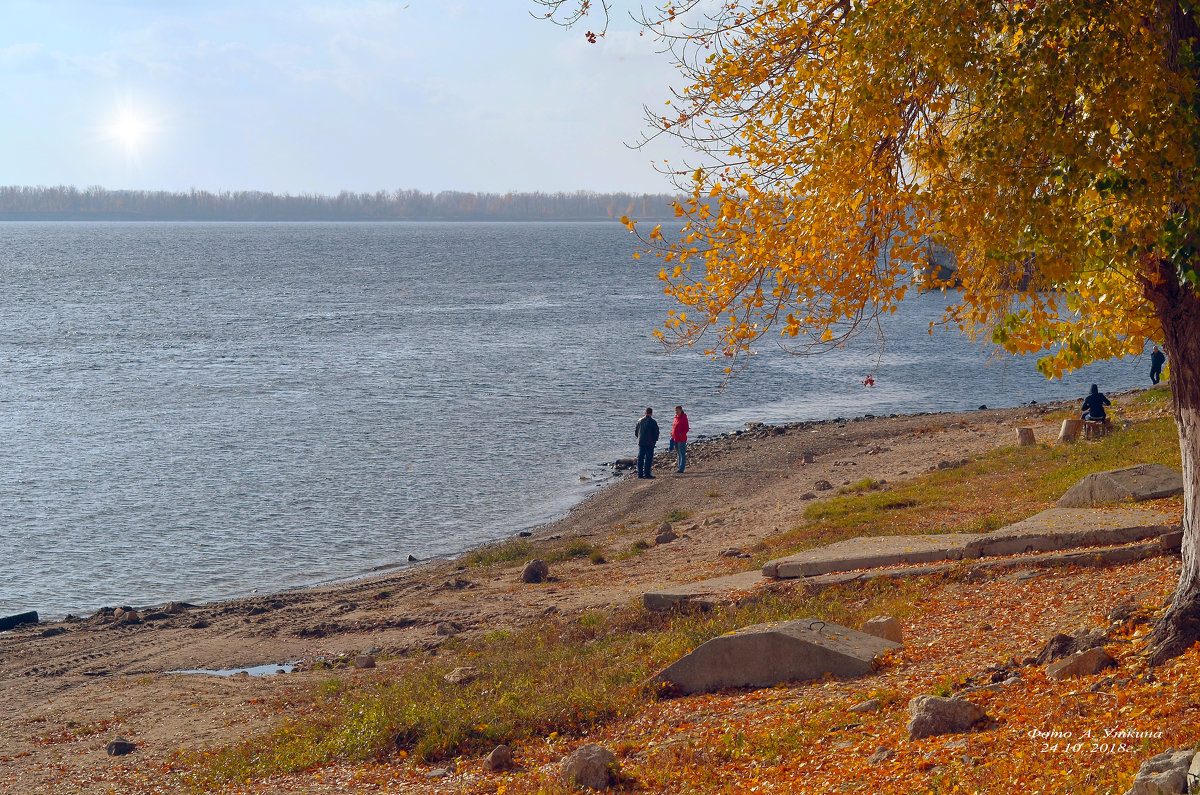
(109, 675)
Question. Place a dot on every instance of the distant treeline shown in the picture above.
(68, 203)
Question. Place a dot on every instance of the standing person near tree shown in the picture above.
(679, 431)
(646, 432)
(1156, 362)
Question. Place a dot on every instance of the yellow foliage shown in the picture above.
(1050, 146)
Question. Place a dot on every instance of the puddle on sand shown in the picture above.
(256, 670)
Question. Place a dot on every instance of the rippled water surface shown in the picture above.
(194, 411)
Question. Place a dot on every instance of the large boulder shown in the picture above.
(933, 715)
(1136, 483)
(592, 766)
(1165, 774)
(765, 655)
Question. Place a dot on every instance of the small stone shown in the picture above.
(665, 537)
(822, 485)
(665, 527)
(462, 675)
(1085, 663)
(871, 705)
(881, 755)
(120, 747)
(448, 628)
(732, 552)
(932, 715)
(808, 495)
(885, 627)
(364, 661)
(499, 760)
(592, 766)
(535, 571)
(1062, 645)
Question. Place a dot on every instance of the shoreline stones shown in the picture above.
(9, 622)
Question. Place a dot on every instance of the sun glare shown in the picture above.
(130, 128)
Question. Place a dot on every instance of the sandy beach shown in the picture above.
(71, 686)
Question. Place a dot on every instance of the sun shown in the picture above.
(130, 128)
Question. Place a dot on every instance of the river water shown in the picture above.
(195, 411)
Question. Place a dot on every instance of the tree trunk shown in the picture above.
(1178, 309)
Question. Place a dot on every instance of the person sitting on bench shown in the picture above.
(1093, 406)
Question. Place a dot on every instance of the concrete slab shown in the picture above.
(705, 593)
(871, 552)
(1063, 528)
(1050, 530)
(1096, 536)
(765, 655)
(1137, 483)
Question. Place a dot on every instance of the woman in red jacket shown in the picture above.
(679, 429)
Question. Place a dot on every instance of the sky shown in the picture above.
(320, 97)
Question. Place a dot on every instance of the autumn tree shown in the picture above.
(1052, 145)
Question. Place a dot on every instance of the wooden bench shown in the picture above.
(1095, 429)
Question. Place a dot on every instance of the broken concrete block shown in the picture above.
(1137, 483)
(885, 627)
(764, 655)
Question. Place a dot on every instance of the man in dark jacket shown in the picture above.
(1157, 359)
(1093, 405)
(646, 432)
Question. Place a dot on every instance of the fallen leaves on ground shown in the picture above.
(1086, 735)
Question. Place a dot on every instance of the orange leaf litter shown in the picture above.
(1086, 735)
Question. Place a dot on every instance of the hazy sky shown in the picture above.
(322, 96)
